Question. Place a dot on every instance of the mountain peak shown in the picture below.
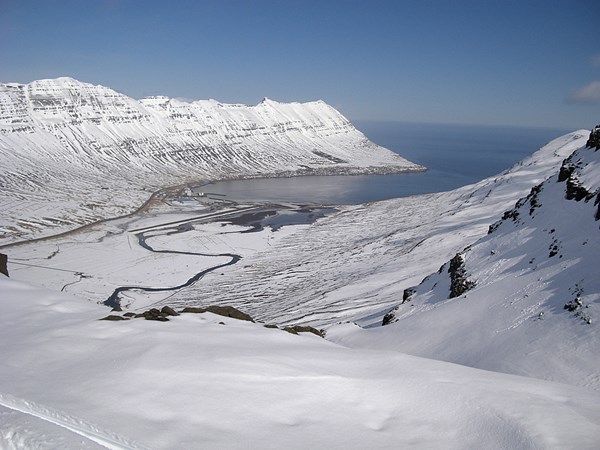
(65, 130)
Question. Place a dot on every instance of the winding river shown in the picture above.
(255, 218)
(455, 155)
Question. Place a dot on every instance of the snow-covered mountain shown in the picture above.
(525, 299)
(521, 298)
(353, 265)
(72, 152)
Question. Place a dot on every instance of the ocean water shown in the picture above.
(455, 155)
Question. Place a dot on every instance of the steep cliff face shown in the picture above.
(73, 152)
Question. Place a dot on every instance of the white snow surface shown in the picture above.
(68, 380)
(535, 304)
(72, 153)
(204, 381)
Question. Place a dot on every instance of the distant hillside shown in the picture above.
(525, 299)
(72, 152)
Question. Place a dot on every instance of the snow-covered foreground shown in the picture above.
(68, 380)
(527, 306)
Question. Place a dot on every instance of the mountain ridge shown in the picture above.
(525, 299)
(108, 151)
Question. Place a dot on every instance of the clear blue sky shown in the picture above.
(525, 62)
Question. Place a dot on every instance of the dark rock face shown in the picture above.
(459, 282)
(408, 293)
(3, 264)
(295, 329)
(568, 173)
(168, 311)
(594, 140)
(514, 214)
(565, 173)
(390, 317)
(533, 197)
(114, 318)
(227, 311)
(153, 314)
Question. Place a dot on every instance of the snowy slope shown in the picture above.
(525, 302)
(525, 299)
(204, 381)
(72, 152)
(352, 265)
(357, 263)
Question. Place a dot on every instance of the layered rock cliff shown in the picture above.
(72, 152)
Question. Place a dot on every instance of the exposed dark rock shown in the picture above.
(117, 309)
(555, 248)
(168, 311)
(408, 293)
(533, 197)
(565, 173)
(574, 189)
(3, 264)
(577, 192)
(329, 157)
(295, 329)
(153, 314)
(114, 317)
(594, 139)
(390, 317)
(193, 310)
(459, 282)
(271, 325)
(573, 305)
(227, 311)
(510, 214)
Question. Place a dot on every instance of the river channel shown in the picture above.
(254, 218)
(455, 155)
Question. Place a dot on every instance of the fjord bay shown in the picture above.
(455, 156)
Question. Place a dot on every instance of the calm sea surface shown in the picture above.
(455, 155)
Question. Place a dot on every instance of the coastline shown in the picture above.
(174, 189)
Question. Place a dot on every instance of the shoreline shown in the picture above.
(351, 171)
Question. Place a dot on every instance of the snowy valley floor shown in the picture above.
(205, 381)
(68, 380)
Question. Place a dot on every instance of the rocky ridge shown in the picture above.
(73, 152)
(525, 299)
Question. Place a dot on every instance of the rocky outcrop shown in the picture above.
(594, 140)
(296, 329)
(163, 314)
(572, 173)
(459, 281)
(227, 311)
(3, 264)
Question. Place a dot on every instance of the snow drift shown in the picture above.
(204, 381)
